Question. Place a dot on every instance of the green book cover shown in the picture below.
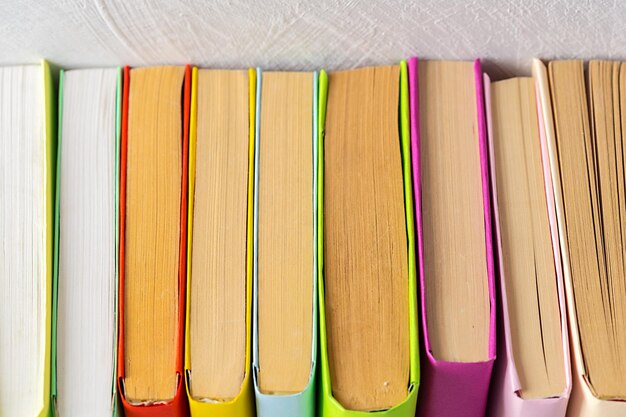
(50, 76)
(56, 157)
(328, 405)
(117, 406)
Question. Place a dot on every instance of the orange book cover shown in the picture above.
(177, 407)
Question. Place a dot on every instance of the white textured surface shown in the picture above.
(299, 34)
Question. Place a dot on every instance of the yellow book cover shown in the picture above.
(243, 404)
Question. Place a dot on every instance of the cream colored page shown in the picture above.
(587, 159)
(365, 241)
(285, 240)
(152, 233)
(455, 264)
(218, 264)
(528, 261)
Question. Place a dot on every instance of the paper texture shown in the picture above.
(303, 403)
(55, 295)
(582, 402)
(504, 397)
(328, 405)
(177, 407)
(452, 389)
(242, 405)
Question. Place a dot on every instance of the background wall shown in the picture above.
(308, 34)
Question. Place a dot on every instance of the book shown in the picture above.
(27, 151)
(86, 243)
(285, 335)
(153, 250)
(586, 157)
(367, 288)
(219, 272)
(532, 371)
(453, 206)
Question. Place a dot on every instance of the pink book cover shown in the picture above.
(582, 402)
(504, 397)
(452, 389)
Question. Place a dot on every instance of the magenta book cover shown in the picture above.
(452, 389)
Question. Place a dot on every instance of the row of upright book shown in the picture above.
(401, 240)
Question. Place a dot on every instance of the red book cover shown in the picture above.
(178, 405)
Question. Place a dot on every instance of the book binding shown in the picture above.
(115, 406)
(453, 389)
(504, 397)
(242, 405)
(582, 402)
(302, 403)
(328, 405)
(178, 406)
